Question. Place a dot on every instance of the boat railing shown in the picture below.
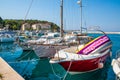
(96, 29)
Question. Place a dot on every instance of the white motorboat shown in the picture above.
(116, 65)
(6, 38)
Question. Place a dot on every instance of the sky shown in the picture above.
(103, 13)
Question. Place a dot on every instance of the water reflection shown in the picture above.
(21, 61)
(25, 63)
(43, 71)
(10, 51)
(31, 67)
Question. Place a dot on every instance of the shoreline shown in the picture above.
(71, 31)
(106, 32)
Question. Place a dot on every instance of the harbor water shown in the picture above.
(31, 67)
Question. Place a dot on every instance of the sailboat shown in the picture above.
(87, 56)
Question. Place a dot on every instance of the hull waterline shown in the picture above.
(82, 66)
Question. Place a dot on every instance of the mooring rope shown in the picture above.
(33, 60)
(25, 55)
(54, 72)
(65, 73)
(68, 70)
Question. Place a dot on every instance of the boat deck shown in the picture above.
(46, 51)
(71, 50)
(57, 58)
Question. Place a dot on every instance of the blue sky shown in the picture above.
(103, 13)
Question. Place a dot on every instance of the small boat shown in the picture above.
(50, 38)
(52, 41)
(84, 58)
(116, 65)
(6, 38)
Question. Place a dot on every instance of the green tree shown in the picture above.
(1, 22)
(14, 27)
(54, 27)
(16, 24)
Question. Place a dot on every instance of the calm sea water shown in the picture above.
(31, 67)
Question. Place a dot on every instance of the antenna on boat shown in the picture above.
(80, 3)
(61, 17)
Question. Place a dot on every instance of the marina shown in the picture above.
(40, 48)
(30, 66)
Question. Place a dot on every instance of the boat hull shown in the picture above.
(116, 67)
(82, 66)
(3, 40)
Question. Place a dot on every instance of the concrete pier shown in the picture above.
(8, 73)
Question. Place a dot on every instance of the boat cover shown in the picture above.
(93, 45)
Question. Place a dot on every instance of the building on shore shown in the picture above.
(37, 26)
(25, 26)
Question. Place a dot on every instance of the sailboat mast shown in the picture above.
(81, 16)
(80, 3)
(61, 17)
